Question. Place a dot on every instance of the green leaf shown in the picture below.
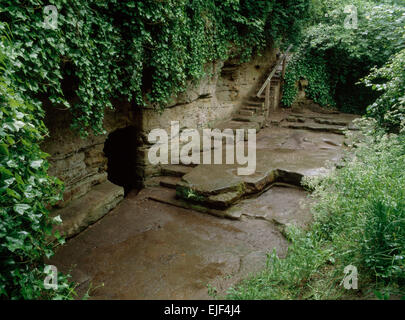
(21, 208)
(36, 164)
(4, 149)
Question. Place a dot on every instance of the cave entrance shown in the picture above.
(120, 149)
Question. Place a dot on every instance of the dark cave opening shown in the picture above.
(120, 149)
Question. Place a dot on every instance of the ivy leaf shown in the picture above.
(4, 149)
(13, 194)
(36, 164)
(57, 219)
(21, 208)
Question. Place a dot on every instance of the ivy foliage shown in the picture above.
(144, 51)
(339, 56)
(25, 192)
(389, 80)
(313, 69)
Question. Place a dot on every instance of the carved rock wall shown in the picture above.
(81, 163)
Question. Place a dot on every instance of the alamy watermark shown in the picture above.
(351, 21)
(197, 148)
(350, 281)
(51, 280)
(50, 17)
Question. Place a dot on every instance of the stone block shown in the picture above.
(82, 212)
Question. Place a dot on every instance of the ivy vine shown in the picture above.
(143, 51)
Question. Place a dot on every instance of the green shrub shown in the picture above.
(313, 69)
(389, 80)
(286, 278)
(360, 208)
(383, 246)
(341, 57)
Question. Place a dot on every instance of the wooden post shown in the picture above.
(281, 60)
(276, 97)
(282, 79)
(267, 101)
(283, 72)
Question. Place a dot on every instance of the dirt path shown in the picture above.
(153, 246)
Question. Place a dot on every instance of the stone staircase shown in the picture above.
(289, 154)
(218, 190)
(165, 189)
(319, 122)
(252, 109)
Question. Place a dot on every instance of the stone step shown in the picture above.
(169, 182)
(254, 103)
(315, 127)
(244, 112)
(317, 116)
(243, 118)
(258, 99)
(175, 170)
(252, 108)
(220, 200)
(331, 118)
(295, 119)
(169, 196)
(84, 211)
(331, 121)
(216, 187)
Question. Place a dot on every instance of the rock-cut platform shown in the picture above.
(293, 147)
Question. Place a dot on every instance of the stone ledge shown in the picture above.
(84, 211)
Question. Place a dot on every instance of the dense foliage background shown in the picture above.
(334, 58)
(389, 81)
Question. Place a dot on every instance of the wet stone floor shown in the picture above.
(155, 248)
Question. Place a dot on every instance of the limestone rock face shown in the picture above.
(214, 98)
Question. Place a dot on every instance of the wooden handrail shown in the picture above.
(273, 72)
